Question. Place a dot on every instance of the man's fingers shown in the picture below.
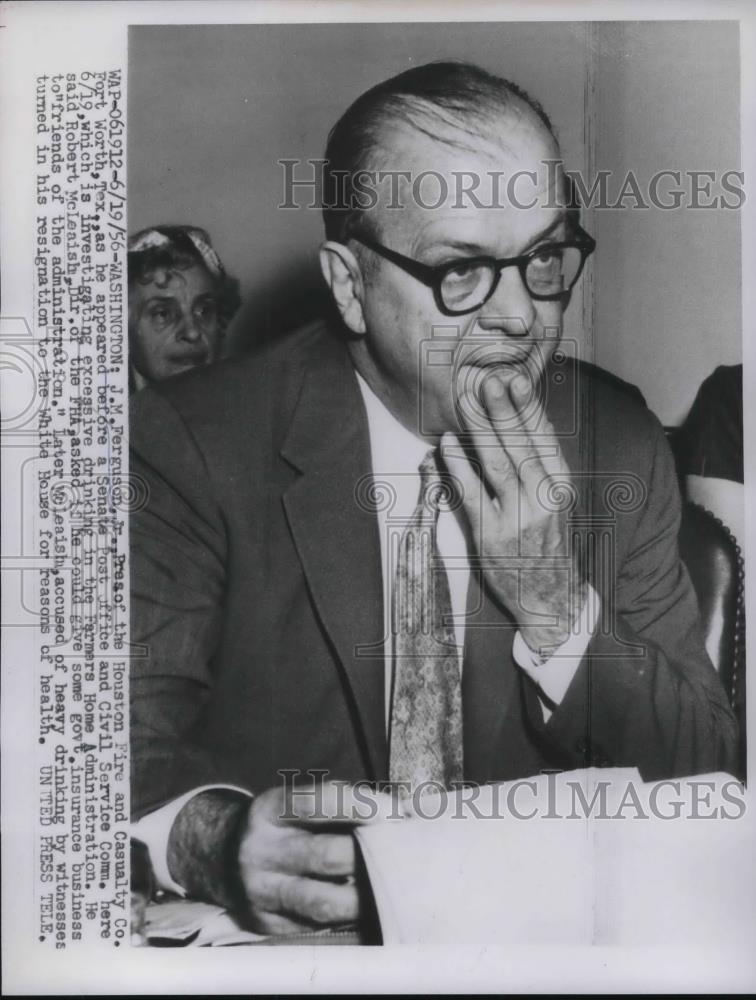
(539, 429)
(511, 435)
(319, 902)
(496, 461)
(518, 418)
(500, 402)
(330, 855)
(290, 904)
(301, 900)
(296, 876)
(322, 855)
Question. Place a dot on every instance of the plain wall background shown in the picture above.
(212, 110)
(668, 283)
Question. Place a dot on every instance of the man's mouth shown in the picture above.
(489, 359)
(483, 362)
(496, 354)
(508, 362)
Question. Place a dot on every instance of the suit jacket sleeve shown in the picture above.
(178, 554)
(646, 693)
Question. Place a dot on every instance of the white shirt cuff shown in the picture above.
(554, 675)
(155, 828)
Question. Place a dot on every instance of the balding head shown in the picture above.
(453, 103)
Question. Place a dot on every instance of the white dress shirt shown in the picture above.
(396, 456)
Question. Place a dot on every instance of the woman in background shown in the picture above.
(180, 302)
(710, 448)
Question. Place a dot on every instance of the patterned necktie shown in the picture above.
(426, 708)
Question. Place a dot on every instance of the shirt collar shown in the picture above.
(395, 450)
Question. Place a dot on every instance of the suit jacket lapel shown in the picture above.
(336, 535)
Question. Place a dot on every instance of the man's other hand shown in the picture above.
(297, 856)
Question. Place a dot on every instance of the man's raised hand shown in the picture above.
(521, 536)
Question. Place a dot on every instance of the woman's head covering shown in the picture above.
(168, 247)
(179, 239)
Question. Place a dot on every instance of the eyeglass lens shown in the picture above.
(548, 273)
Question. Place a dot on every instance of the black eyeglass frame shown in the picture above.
(433, 275)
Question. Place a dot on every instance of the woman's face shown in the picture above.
(174, 322)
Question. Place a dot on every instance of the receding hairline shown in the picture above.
(452, 103)
(455, 133)
(385, 154)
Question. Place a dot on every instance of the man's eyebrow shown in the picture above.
(462, 245)
(562, 217)
(476, 250)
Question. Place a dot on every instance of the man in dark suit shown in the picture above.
(303, 601)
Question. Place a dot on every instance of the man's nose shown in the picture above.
(510, 308)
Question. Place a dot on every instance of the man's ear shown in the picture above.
(344, 277)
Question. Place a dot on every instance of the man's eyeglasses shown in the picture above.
(461, 286)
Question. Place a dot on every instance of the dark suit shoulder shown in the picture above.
(245, 397)
(602, 421)
(574, 385)
(619, 407)
(610, 384)
(233, 379)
